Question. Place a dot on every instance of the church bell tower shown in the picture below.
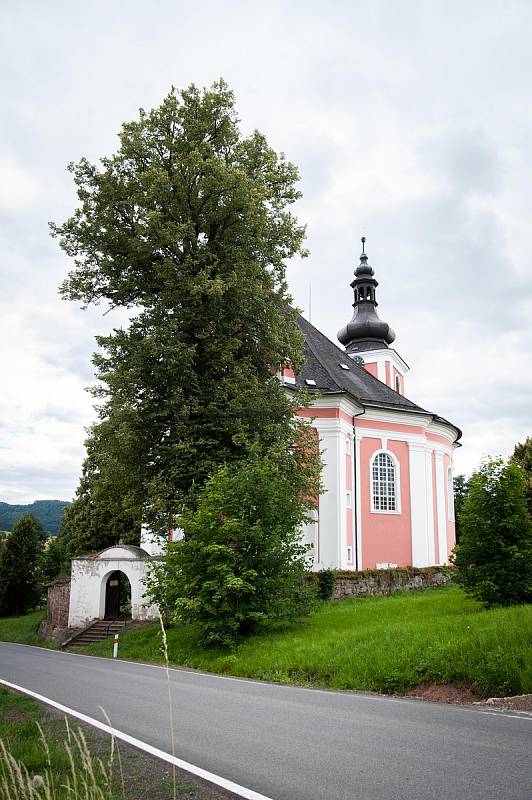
(366, 337)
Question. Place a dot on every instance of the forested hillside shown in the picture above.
(48, 512)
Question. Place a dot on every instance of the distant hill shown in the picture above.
(48, 512)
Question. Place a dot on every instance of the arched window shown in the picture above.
(450, 494)
(384, 483)
(398, 384)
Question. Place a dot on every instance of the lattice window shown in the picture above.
(384, 483)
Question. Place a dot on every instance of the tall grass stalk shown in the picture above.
(114, 747)
(170, 704)
(87, 777)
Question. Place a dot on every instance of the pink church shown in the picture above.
(387, 472)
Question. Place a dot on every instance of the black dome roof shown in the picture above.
(365, 331)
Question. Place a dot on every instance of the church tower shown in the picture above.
(366, 337)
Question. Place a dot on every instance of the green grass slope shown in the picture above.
(385, 644)
(22, 629)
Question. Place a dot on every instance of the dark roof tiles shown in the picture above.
(322, 365)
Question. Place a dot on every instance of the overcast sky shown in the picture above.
(411, 123)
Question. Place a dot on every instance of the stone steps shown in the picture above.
(96, 632)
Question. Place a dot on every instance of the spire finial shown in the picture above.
(363, 240)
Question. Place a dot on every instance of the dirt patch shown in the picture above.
(465, 695)
(446, 693)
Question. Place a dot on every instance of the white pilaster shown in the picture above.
(418, 506)
(358, 495)
(442, 511)
(332, 501)
(430, 507)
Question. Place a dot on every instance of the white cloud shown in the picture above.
(407, 125)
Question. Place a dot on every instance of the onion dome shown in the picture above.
(366, 331)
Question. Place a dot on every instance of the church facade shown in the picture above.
(387, 475)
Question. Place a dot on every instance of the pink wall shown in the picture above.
(325, 413)
(385, 537)
(396, 427)
(387, 368)
(372, 367)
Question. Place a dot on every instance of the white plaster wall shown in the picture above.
(441, 507)
(89, 578)
(310, 534)
(418, 505)
(433, 557)
(151, 543)
(331, 445)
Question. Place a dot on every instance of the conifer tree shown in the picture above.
(19, 586)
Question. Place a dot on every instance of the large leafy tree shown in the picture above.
(19, 578)
(188, 227)
(494, 555)
(522, 455)
(460, 490)
(107, 505)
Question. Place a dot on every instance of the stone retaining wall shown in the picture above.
(386, 581)
(58, 603)
(55, 626)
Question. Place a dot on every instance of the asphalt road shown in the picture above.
(290, 743)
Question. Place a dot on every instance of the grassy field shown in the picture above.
(385, 644)
(94, 773)
(22, 629)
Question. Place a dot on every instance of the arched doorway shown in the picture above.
(117, 596)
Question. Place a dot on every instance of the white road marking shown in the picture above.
(217, 780)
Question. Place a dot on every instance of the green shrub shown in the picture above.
(494, 555)
(241, 561)
(326, 583)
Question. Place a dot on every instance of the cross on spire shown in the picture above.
(363, 240)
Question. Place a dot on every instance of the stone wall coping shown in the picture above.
(58, 581)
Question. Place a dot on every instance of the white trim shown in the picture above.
(211, 777)
(418, 505)
(358, 528)
(441, 508)
(430, 507)
(397, 466)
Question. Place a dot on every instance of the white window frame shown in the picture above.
(397, 466)
(450, 494)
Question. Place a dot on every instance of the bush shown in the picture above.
(241, 561)
(494, 556)
(326, 583)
